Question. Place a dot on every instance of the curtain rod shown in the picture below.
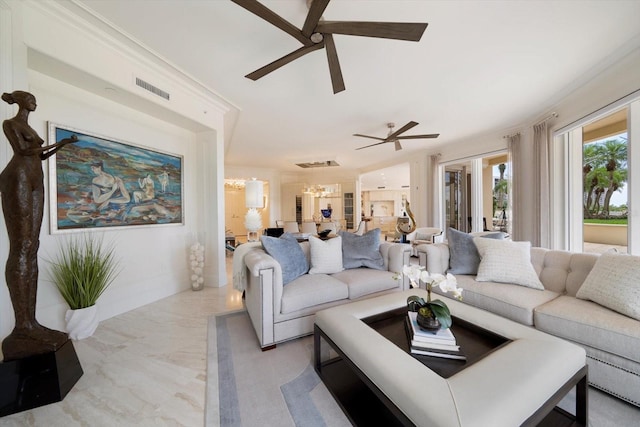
(549, 117)
(511, 135)
(607, 109)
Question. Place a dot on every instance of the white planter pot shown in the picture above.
(82, 323)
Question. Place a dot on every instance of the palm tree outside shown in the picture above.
(605, 173)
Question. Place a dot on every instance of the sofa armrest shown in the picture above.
(398, 255)
(258, 259)
(263, 296)
(434, 257)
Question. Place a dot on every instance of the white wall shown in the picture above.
(154, 259)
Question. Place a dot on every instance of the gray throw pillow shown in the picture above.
(287, 251)
(463, 254)
(362, 251)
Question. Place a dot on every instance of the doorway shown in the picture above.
(490, 193)
(235, 209)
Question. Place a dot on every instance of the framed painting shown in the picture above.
(100, 182)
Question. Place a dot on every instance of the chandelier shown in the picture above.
(323, 191)
(234, 184)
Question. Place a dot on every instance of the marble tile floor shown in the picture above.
(146, 367)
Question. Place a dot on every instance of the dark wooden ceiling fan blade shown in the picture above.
(315, 13)
(263, 12)
(372, 137)
(261, 72)
(334, 64)
(386, 30)
(403, 129)
(372, 145)
(429, 135)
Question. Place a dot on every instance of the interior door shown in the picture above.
(234, 211)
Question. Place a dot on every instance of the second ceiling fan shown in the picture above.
(317, 34)
(395, 137)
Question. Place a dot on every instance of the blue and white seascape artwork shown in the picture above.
(99, 182)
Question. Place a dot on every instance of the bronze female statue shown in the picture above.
(22, 191)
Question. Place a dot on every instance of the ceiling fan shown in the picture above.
(317, 34)
(395, 136)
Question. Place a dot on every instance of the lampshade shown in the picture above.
(254, 193)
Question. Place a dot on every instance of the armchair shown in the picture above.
(291, 227)
(421, 236)
(309, 227)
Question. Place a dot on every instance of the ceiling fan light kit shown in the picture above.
(316, 34)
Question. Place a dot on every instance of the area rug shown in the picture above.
(247, 387)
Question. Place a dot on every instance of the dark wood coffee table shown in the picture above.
(475, 342)
(364, 404)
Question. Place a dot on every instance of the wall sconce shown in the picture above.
(254, 199)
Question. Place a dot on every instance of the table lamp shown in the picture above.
(253, 200)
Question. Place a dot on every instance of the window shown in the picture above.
(604, 188)
(593, 172)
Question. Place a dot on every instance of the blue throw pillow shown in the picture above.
(287, 251)
(463, 254)
(361, 251)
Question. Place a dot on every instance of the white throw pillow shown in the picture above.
(326, 255)
(505, 261)
(614, 282)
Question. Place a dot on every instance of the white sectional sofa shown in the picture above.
(611, 339)
(282, 312)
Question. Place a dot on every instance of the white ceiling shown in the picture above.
(481, 67)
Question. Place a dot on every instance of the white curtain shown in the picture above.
(515, 188)
(541, 195)
(434, 216)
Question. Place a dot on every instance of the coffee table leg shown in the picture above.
(316, 348)
(582, 403)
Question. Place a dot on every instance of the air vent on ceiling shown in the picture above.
(151, 88)
(381, 188)
(405, 186)
(324, 164)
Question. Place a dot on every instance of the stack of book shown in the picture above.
(440, 343)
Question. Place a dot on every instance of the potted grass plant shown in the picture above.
(82, 270)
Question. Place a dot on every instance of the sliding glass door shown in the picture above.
(477, 187)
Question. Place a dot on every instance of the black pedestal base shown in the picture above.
(38, 380)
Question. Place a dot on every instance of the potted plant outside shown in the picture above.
(82, 270)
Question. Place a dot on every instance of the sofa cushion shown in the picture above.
(463, 254)
(591, 324)
(361, 251)
(562, 271)
(614, 282)
(312, 289)
(326, 255)
(513, 302)
(505, 261)
(364, 281)
(286, 250)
